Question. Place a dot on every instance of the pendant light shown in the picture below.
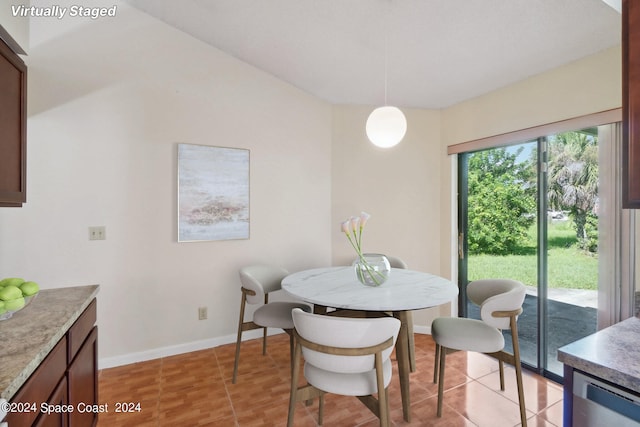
(386, 126)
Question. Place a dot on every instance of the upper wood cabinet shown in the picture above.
(631, 103)
(13, 127)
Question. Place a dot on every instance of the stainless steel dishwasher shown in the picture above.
(597, 404)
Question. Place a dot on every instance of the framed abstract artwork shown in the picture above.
(213, 193)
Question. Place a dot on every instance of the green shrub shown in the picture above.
(500, 202)
(589, 241)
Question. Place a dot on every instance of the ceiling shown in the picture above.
(438, 52)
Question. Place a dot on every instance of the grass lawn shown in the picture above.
(568, 266)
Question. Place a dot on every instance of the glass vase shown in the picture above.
(372, 269)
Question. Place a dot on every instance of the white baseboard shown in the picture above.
(425, 330)
(172, 350)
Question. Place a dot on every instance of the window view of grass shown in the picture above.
(569, 266)
(502, 203)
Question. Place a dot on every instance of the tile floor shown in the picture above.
(195, 389)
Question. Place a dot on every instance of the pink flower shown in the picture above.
(355, 224)
(353, 227)
(363, 218)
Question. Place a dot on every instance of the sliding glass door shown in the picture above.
(529, 211)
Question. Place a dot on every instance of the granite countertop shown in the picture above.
(612, 354)
(28, 336)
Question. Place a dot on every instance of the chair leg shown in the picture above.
(443, 355)
(264, 330)
(436, 364)
(291, 348)
(516, 357)
(264, 341)
(237, 361)
(385, 416)
(383, 403)
(321, 409)
(501, 366)
(239, 339)
(294, 384)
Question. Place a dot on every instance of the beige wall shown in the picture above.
(586, 86)
(108, 102)
(400, 187)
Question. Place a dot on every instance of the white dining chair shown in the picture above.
(396, 262)
(500, 302)
(257, 282)
(346, 356)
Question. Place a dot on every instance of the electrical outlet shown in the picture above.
(98, 233)
(202, 313)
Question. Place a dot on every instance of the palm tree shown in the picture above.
(573, 176)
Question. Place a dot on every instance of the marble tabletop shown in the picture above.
(28, 336)
(338, 287)
(612, 354)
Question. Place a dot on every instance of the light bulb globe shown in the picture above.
(386, 126)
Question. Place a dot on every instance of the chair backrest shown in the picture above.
(496, 295)
(344, 332)
(396, 262)
(262, 279)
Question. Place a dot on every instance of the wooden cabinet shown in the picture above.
(631, 103)
(82, 370)
(13, 127)
(65, 383)
(39, 387)
(59, 398)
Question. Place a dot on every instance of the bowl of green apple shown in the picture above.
(15, 295)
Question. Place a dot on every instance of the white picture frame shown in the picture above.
(213, 193)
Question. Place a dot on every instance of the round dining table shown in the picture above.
(402, 292)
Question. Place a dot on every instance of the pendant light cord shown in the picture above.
(386, 126)
(386, 65)
(386, 50)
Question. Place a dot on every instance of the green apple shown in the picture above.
(15, 281)
(14, 304)
(29, 288)
(11, 281)
(10, 293)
